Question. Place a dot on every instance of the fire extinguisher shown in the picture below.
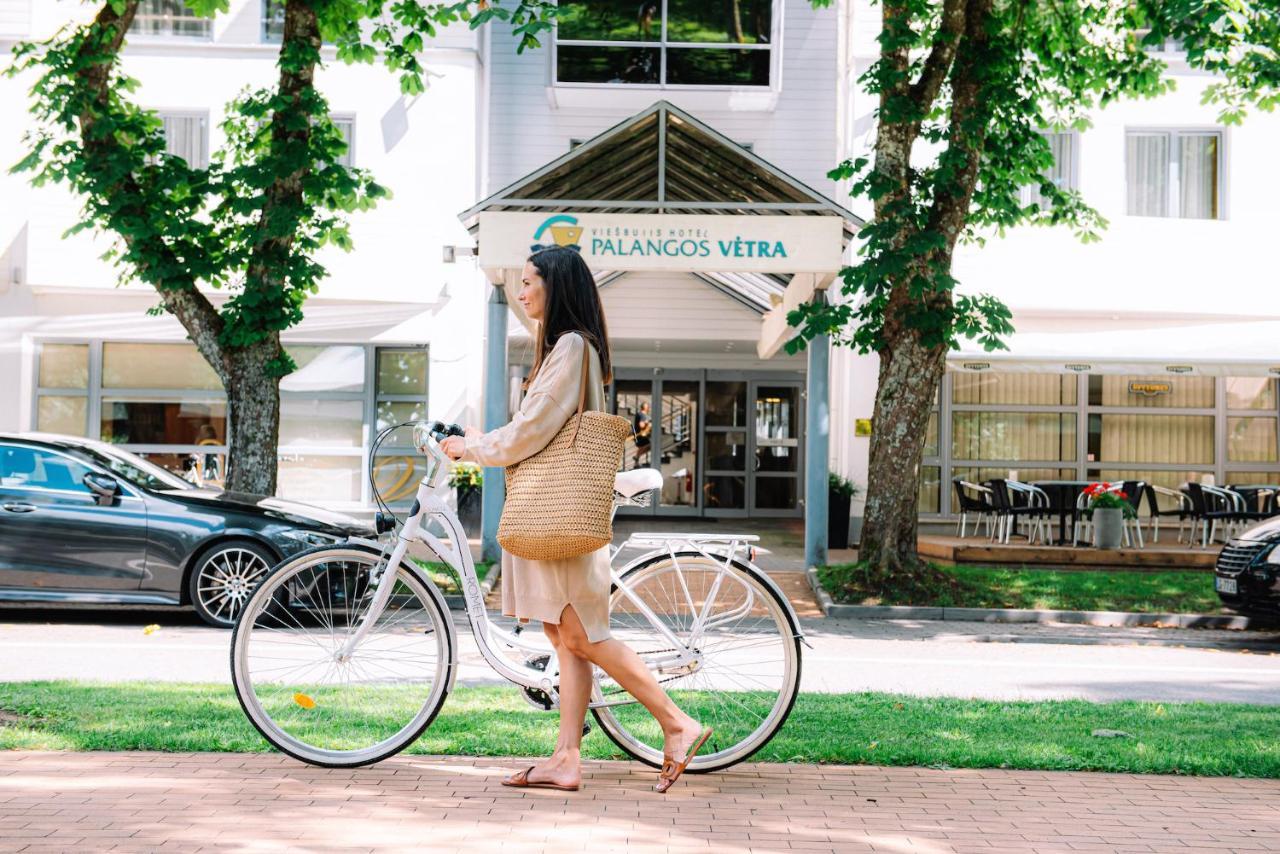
(688, 481)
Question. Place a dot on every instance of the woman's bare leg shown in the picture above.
(564, 766)
(627, 669)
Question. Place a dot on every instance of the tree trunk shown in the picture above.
(253, 398)
(909, 378)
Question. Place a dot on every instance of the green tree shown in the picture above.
(252, 221)
(964, 89)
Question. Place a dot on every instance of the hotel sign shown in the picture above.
(684, 242)
(1150, 389)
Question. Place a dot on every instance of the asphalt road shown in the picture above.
(910, 657)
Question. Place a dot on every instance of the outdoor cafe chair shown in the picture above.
(1213, 505)
(1182, 511)
(1034, 506)
(981, 506)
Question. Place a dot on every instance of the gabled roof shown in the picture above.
(662, 160)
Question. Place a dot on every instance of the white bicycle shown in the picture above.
(344, 654)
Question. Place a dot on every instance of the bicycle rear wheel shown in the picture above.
(343, 713)
(743, 677)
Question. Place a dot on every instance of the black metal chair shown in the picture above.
(1030, 503)
(979, 505)
(1211, 506)
(1182, 512)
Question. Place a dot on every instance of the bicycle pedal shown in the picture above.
(586, 728)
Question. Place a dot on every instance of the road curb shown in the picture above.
(456, 602)
(1108, 619)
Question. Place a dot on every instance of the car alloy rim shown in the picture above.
(227, 579)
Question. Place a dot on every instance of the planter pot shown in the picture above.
(838, 520)
(1108, 527)
(855, 531)
(469, 509)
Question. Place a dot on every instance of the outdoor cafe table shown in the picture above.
(1255, 493)
(1062, 498)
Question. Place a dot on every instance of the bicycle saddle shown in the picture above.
(631, 483)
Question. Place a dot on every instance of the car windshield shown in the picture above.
(135, 469)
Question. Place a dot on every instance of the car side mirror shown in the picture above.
(104, 487)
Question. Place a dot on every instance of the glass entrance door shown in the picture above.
(677, 440)
(776, 465)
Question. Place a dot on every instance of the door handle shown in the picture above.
(19, 508)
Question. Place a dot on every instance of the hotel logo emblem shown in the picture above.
(565, 230)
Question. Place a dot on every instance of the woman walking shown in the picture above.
(570, 596)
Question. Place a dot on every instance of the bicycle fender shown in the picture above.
(748, 566)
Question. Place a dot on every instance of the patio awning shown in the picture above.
(1248, 348)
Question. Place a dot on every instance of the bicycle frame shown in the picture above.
(489, 636)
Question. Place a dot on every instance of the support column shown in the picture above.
(492, 491)
(817, 440)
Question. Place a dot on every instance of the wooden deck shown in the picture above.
(950, 551)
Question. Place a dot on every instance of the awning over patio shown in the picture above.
(1249, 348)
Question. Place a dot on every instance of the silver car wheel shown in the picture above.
(227, 579)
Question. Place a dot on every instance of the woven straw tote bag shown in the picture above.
(560, 500)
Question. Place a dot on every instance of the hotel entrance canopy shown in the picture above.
(662, 191)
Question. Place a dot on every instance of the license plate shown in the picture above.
(1225, 585)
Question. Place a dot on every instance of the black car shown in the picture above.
(1247, 576)
(83, 521)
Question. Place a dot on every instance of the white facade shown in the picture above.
(492, 116)
(1195, 279)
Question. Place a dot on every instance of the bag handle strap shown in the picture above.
(582, 394)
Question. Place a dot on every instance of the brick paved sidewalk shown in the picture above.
(237, 802)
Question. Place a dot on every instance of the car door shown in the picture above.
(54, 535)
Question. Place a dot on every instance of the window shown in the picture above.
(32, 468)
(187, 136)
(1063, 171)
(170, 18)
(272, 20)
(62, 379)
(347, 127)
(162, 401)
(671, 43)
(1174, 173)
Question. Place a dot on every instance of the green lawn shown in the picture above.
(445, 578)
(1077, 590)
(882, 729)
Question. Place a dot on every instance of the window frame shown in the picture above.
(661, 45)
(1081, 410)
(1029, 193)
(96, 393)
(205, 122)
(349, 118)
(171, 36)
(1175, 135)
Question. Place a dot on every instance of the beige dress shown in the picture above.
(540, 589)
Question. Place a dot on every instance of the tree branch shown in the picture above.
(968, 122)
(98, 55)
(938, 64)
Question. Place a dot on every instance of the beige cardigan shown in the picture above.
(540, 590)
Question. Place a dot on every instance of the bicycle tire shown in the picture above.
(268, 589)
(724, 758)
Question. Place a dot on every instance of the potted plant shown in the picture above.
(1108, 508)
(840, 492)
(466, 480)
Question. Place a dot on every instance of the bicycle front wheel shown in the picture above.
(317, 705)
(736, 666)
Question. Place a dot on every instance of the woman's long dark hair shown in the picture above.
(572, 304)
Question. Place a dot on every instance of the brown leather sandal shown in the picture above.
(671, 770)
(521, 780)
